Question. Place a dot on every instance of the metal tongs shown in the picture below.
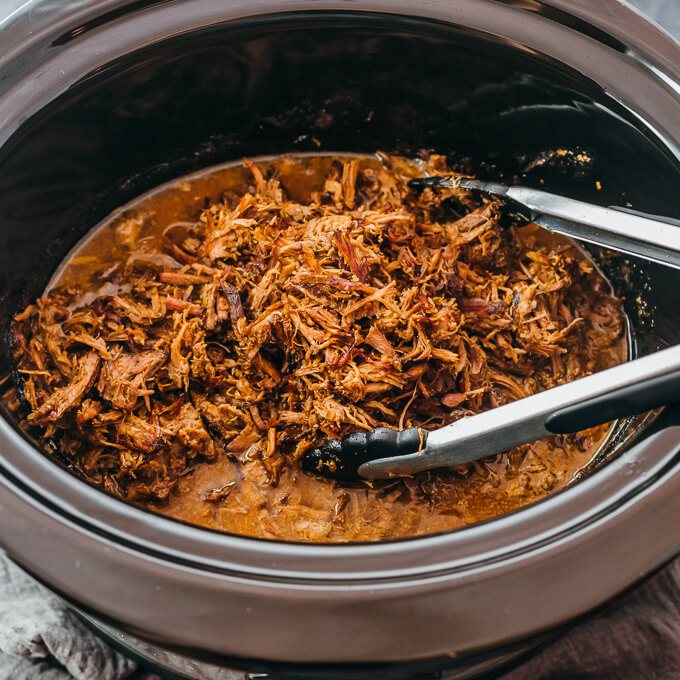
(649, 237)
(629, 389)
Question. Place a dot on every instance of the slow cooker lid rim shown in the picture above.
(33, 24)
(544, 523)
(612, 17)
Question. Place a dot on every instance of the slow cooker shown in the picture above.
(103, 100)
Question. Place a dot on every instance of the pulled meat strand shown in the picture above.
(288, 322)
(66, 398)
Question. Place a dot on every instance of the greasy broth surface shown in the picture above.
(302, 507)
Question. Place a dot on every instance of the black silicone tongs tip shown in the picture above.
(420, 183)
(340, 459)
(458, 182)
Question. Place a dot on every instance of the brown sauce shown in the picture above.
(298, 507)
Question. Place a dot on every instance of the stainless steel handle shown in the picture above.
(651, 379)
(647, 236)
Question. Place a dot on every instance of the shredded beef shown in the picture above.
(283, 323)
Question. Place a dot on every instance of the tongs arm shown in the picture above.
(650, 237)
(625, 390)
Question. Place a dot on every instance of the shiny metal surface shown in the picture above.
(524, 420)
(650, 237)
(635, 234)
(184, 667)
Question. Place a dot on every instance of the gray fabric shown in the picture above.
(35, 625)
(636, 638)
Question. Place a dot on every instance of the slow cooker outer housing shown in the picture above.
(220, 596)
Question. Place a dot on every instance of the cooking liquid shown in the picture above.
(301, 507)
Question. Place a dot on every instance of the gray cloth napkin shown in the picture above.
(41, 640)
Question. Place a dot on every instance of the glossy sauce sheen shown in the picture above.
(301, 507)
